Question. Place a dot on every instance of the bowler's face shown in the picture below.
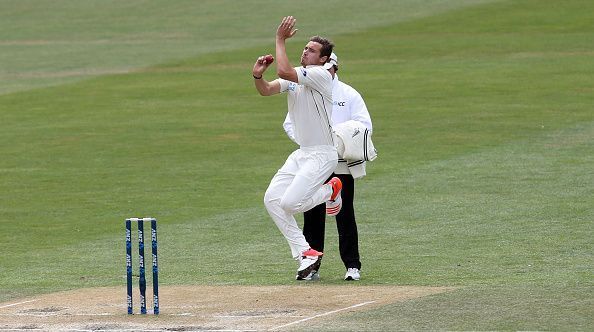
(311, 54)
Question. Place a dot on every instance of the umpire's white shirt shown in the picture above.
(348, 104)
(313, 93)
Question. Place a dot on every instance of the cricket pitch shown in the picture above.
(199, 308)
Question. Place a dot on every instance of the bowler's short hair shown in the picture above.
(327, 45)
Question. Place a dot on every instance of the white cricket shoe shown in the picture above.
(352, 273)
(309, 262)
(314, 275)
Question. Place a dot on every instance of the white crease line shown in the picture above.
(79, 330)
(15, 304)
(252, 316)
(52, 314)
(118, 330)
(320, 315)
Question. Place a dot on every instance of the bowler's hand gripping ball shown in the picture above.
(269, 59)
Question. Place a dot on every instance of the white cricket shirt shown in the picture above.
(310, 105)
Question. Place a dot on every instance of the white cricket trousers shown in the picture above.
(297, 187)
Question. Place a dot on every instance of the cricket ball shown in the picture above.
(269, 59)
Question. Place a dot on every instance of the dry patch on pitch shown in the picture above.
(185, 308)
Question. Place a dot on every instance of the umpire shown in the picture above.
(347, 105)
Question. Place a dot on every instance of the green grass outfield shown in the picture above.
(483, 117)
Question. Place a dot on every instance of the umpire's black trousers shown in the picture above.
(314, 225)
